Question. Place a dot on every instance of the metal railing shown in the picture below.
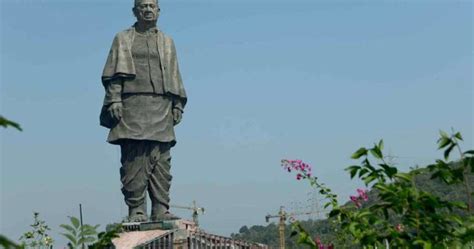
(163, 242)
(200, 240)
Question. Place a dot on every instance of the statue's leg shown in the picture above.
(134, 176)
(159, 184)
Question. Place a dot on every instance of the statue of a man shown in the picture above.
(144, 100)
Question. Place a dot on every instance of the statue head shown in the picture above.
(146, 10)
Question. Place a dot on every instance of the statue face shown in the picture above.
(146, 10)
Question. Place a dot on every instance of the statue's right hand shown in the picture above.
(115, 110)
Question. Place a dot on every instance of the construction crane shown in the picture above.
(283, 216)
(196, 210)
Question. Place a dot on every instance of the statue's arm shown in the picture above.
(113, 91)
(113, 98)
(178, 102)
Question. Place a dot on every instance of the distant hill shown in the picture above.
(322, 228)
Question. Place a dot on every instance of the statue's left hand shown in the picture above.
(177, 115)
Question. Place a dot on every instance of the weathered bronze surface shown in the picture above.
(144, 100)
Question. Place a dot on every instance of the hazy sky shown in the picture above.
(266, 80)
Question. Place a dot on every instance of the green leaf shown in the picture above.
(5, 123)
(389, 170)
(75, 222)
(86, 240)
(448, 151)
(469, 162)
(376, 152)
(382, 187)
(89, 232)
(443, 142)
(443, 134)
(352, 228)
(369, 179)
(362, 172)
(459, 204)
(353, 170)
(8, 244)
(403, 176)
(469, 152)
(458, 136)
(381, 144)
(69, 228)
(359, 153)
(327, 205)
(457, 219)
(71, 238)
(364, 214)
(90, 229)
(334, 212)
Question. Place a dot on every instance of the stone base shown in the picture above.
(153, 225)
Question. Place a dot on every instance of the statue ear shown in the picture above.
(134, 10)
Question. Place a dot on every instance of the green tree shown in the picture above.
(79, 236)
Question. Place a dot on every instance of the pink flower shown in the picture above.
(363, 194)
(303, 169)
(400, 228)
(356, 201)
(362, 197)
(318, 241)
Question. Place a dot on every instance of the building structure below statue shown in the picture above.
(175, 234)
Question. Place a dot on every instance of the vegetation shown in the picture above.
(8, 244)
(86, 236)
(37, 238)
(325, 229)
(104, 239)
(6, 123)
(424, 208)
(79, 235)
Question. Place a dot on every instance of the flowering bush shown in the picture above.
(403, 215)
(362, 197)
(303, 169)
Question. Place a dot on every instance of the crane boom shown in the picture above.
(196, 210)
(283, 215)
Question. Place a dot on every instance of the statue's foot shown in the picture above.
(138, 218)
(137, 214)
(165, 216)
(160, 212)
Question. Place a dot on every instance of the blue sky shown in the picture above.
(266, 80)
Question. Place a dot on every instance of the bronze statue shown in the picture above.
(144, 100)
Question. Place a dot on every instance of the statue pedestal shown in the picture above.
(174, 234)
(153, 225)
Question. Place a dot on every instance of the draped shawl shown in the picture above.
(120, 63)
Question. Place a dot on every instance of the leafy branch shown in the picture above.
(6, 123)
(401, 215)
(79, 236)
